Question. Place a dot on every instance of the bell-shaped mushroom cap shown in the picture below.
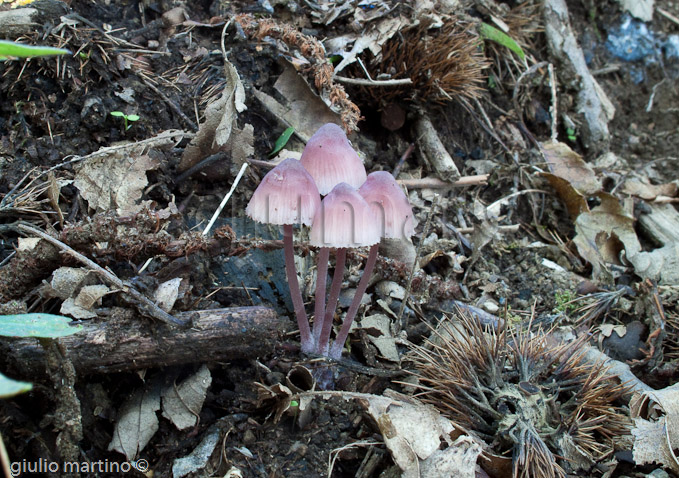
(330, 159)
(344, 220)
(389, 204)
(286, 195)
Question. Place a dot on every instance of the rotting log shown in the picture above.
(126, 341)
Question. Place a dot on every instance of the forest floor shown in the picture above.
(541, 318)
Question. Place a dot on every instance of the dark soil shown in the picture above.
(52, 111)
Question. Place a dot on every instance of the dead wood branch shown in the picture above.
(435, 183)
(144, 303)
(123, 342)
(593, 103)
(433, 150)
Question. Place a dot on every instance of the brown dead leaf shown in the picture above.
(570, 176)
(656, 433)
(220, 119)
(302, 108)
(422, 442)
(379, 333)
(575, 202)
(640, 187)
(604, 232)
(166, 294)
(182, 403)
(137, 423)
(115, 181)
(569, 165)
(372, 40)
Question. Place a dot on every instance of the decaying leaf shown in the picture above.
(417, 436)
(182, 403)
(641, 187)
(372, 40)
(166, 294)
(276, 397)
(608, 329)
(78, 289)
(570, 176)
(604, 232)
(422, 443)
(220, 119)
(303, 109)
(137, 423)
(67, 280)
(241, 145)
(379, 333)
(656, 433)
(115, 181)
(641, 9)
(82, 306)
(198, 458)
(569, 165)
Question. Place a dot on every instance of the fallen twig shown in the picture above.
(403, 159)
(123, 342)
(147, 305)
(370, 82)
(594, 356)
(226, 198)
(433, 150)
(595, 106)
(435, 183)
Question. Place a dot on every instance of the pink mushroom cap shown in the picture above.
(389, 204)
(286, 195)
(330, 159)
(344, 220)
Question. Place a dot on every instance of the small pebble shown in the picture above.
(491, 307)
(249, 437)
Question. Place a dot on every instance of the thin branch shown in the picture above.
(364, 82)
(226, 198)
(148, 305)
(435, 183)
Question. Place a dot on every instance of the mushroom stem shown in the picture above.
(321, 277)
(296, 295)
(336, 349)
(323, 343)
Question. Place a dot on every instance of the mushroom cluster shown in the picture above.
(358, 210)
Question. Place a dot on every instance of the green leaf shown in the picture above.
(19, 50)
(132, 118)
(491, 33)
(36, 325)
(119, 114)
(9, 387)
(282, 141)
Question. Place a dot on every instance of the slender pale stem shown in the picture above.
(296, 295)
(336, 349)
(323, 343)
(321, 278)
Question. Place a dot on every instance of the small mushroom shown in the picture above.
(330, 159)
(393, 215)
(286, 196)
(344, 220)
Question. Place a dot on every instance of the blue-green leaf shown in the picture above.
(36, 325)
(491, 33)
(282, 141)
(19, 50)
(9, 387)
